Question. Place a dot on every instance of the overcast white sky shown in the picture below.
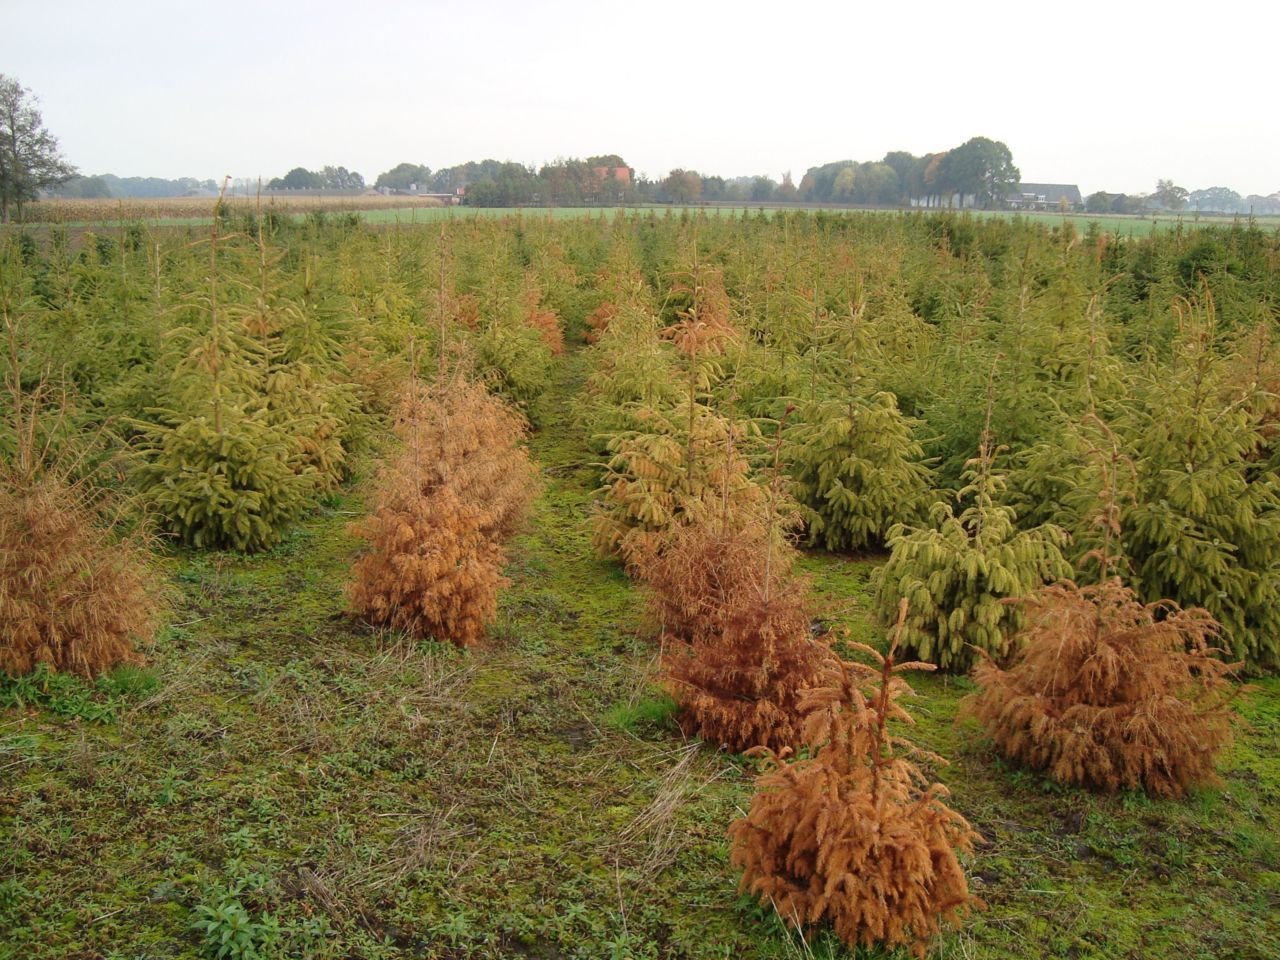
(1109, 95)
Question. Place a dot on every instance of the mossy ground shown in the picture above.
(358, 795)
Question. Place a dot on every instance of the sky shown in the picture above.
(1111, 96)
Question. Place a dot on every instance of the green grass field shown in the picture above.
(351, 794)
(1121, 225)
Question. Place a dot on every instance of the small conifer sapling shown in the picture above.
(854, 834)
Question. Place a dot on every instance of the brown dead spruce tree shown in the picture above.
(736, 622)
(443, 508)
(738, 634)
(1108, 692)
(77, 586)
(854, 834)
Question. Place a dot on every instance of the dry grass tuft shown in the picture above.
(655, 826)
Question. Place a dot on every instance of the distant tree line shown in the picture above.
(327, 178)
(979, 172)
(604, 179)
(980, 168)
(108, 186)
(1171, 197)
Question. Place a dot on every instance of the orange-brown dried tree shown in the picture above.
(75, 592)
(462, 436)
(737, 635)
(467, 310)
(740, 624)
(855, 834)
(428, 569)
(546, 322)
(443, 508)
(704, 570)
(1109, 692)
(598, 320)
(72, 595)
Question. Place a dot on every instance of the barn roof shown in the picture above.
(1052, 192)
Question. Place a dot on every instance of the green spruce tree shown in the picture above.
(958, 574)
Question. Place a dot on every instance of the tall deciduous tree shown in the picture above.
(682, 186)
(1170, 195)
(1099, 202)
(299, 178)
(844, 183)
(29, 156)
(1217, 200)
(403, 176)
(982, 167)
(340, 178)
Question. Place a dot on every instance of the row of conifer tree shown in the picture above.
(1078, 675)
(1067, 446)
